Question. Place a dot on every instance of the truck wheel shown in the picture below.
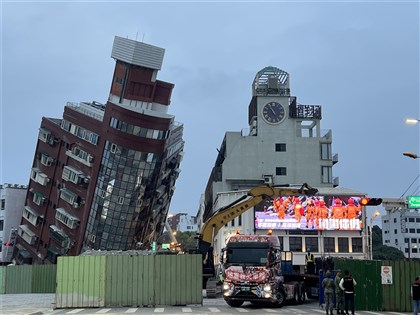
(281, 297)
(234, 303)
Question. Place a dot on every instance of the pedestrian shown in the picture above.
(415, 295)
(310, 261)
(339, 294)
(347, 284)
(328, 286)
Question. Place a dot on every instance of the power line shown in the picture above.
(409, 186)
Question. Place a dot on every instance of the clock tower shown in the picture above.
(272, 108)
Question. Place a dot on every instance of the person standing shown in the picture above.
(328, 286)
(415, 294)
(310, 261)
(347, 284)
(339, 294)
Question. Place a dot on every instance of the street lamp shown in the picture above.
(412, 121)
(411, 154)
(374, 215)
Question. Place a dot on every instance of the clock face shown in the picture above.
(273, 112)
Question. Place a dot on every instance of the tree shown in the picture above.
(383, 252)
(187, 240)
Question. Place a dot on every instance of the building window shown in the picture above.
(312, 243)
(72, 175)
(412, 230)
(356, 245)
(343, 245)
(395, 220)
(281, 171)
(44, 135)
(418, 220)
(329, 244)
(295, 244)
(326, 174)
(68, 195)
(406, 240)
(38, 198)
(1, 225)
(26, 234)
(326, 151)
(413, 240)
(280, 147)
(2, 204)
(395, 231)
(410, 219)
(39, 177)
(46, 159)
(66, 218)
(31, 215)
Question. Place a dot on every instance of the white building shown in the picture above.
(183, 222)
(284, 145)
(12, 201)
(401, 227)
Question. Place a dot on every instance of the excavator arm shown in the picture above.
(253, 197)
(235, 209)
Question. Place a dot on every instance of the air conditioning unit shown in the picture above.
(76, 205)
(90, 158)
(86, 180)
(268, 179)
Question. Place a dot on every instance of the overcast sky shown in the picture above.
(359, 61)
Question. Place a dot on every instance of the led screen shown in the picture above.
(310, 213)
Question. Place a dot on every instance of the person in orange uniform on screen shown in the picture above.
(352, 210)
(298, 209)
(338, 212)
(310, 213)
(279, 208)
(321, 214)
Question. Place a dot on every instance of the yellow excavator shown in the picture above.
(231, 211)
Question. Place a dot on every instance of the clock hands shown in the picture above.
(272, 110)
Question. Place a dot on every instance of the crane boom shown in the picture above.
(235, 209)
(252, 198)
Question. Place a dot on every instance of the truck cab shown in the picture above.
(251, 270)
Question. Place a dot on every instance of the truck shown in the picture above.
(250, 266)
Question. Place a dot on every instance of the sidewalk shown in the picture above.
(25, 304)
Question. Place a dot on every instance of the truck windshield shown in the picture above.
(254, 256)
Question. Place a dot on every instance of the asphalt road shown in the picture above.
(43, 304)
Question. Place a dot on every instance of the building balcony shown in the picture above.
(335, 158)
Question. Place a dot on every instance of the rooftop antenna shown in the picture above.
(142, 38)
(137, 35)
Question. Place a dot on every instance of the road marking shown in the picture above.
(241, 310)
(131, 310)
(159, 310)
(297, 310)
(319, 311)
(77, 310)
(103, 311)
(269, 310)
(186, 310)
(214, 310)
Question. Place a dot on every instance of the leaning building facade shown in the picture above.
(103, 175)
